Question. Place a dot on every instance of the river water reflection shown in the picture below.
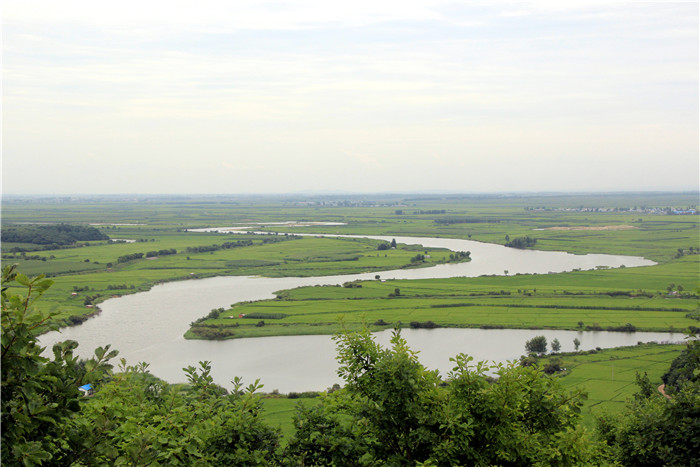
(149, 326)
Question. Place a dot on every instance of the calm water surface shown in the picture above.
(149, 326)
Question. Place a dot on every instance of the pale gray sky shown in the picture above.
(417, 95)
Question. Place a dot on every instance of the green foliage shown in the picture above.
(654, 430)
(38, 394)
(137, 419)
(522, 242)
(684, 369)
(537, 344)
(556, 345)
(130, 257)
(399, 413)
(54, 234)
(133, 418)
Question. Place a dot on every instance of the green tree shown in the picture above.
(684, 369)
(537, 344)
(393, 411)
(577, 343)
(133, 418)
(38, 394)
(556, 345)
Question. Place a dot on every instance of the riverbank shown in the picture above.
(623, 299)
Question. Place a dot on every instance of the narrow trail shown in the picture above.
(663, 391)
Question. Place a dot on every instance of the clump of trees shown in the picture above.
(165, 252)
(387, 246)
(522, 242)
(223, 246)
(460, 255)
(130, 257)
(51, 234)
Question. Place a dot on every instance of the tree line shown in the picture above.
(51, 234)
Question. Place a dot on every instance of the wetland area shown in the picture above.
(149, 326)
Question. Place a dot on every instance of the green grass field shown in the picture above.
(608, 376)
(575, 300)
(279, 412)
(102, 276)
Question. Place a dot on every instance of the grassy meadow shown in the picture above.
(593, 300)
(92, 272)
(609, 376)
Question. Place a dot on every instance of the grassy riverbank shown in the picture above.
(92, 273)
(620, 299)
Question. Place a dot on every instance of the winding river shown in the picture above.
(149, 326)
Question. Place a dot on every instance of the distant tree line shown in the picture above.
(522, 242)
(169, 251)
(465, 220)
(131, 257)
(58, 234)
(240, 243)
(430, 211)
(223, 246)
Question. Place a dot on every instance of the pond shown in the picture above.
(149, 326)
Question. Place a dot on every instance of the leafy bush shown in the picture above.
(522, 242)
(424, 325)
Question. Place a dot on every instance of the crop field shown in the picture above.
(608, 376)
(91, 273)
(279, 412)
(593, 300)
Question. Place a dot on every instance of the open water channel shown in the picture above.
(149, 326)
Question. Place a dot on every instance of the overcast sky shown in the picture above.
(236, 96)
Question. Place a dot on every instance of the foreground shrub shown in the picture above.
(393, 411)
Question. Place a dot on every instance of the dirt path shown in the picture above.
(663, 392)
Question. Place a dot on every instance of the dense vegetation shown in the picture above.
(521, 242)
(52, 234)
(392, 411)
